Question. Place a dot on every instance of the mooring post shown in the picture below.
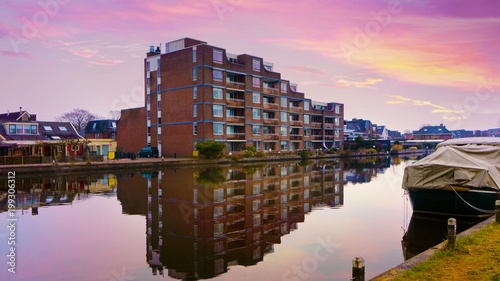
(497, 208)
(358, 269)
(452, 232)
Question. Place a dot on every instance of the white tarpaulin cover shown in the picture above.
(467, 162)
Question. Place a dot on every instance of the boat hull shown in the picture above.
(453, 202)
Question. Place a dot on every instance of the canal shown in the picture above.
(266, 221)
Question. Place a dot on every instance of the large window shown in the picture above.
(337, 109)
(218, 128)
(283, 116)
(306, 105)
(217, 75)
(217, 93)
(256, 113)
(284, 87)
(217, 110)
(256, 130)
(283, 145)
(256, 64)
(306, 119)
(283, 130)
(256, 98)
(284, 102)
(217, 56)
(256, 82)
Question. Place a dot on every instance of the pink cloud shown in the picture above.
(15, 54)
(106, 62)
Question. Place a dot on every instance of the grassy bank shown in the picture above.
(475, 257)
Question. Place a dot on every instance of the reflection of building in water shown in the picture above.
(364, 169)
(220, 217)
(61, 190)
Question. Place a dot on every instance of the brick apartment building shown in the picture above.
(196, 92)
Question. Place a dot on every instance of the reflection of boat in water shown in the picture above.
(461, 178)
(426, 231)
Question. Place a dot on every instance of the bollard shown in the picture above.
(358, 269)
(452, 232)
(497, 208)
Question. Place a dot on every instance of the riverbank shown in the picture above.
(476, 256)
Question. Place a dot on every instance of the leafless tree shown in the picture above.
(78, 118)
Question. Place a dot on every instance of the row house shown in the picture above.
(432, 133)
(196, 92)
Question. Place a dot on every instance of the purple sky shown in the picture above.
(399, 63)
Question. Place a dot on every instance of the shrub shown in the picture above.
(210, 149)
(304, 154)
(250, 151)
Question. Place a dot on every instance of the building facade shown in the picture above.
(197, 92)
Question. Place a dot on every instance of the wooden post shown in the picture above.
(452, 232)
(497, 208)
(358, 269)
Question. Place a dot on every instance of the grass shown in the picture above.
(475, 257)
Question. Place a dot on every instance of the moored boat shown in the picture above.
(461, 178)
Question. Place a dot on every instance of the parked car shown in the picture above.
(148, 152)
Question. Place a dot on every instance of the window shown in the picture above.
(218, 212)
(149, 115)
(148, 82)
(256, 220)
(284, 102)
(307, 132)
(283, 145)
(283, 130)
(306, 105)
(217, 75)
(256, 64)
(256, 82)
(256, 98)
(63, 129)
(194, 54)
(256, 130)
(147, 66)
(27, 129)
(159, 105)
(34, 129)
(337, 121)
(217, 93)
(217, 55)
(256, 204)
(337, 109)
(284, 87)
(194, 74)
(148, 99)
(218, 129)
(195, 128)
(283, 116)
(12, 129)
(217, 110)
(46, 128)
(306, 119)
(158, 88)
(195, 92)
(195, 110)
(256, 113)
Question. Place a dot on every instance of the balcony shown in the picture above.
(328, 125)
(235, 102)
(295, 109)
(267, 105)
(329, 137)
(236, 136)
(317, 137)
(271, 137)
(296, 137)
(235, 119)
(271, 91)
(296, 123)
(316, 124)
(235, 85)
(271, 121)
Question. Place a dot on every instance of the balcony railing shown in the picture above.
(329, 137)
(267, 105)
(295, 108)
(328, 125)
(272, 121)
(235, 85)
(316, 124)
(236, 136)
(271, 137)
(296, 137)
(235, 102)
(235, 119)
(272, 91)
(317, 137)
(296, 123)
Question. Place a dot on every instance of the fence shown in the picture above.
(22, 160)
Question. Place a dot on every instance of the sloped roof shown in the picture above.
(15, 137)
(16, 116)
(432, 130)
(100, 126)
(54, 130)
(358, 125)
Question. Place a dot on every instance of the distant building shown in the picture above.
(395, 135)
(101, 134)
(493, 132)
(463, 134)
(131, 130)
(359, 127)
(433, 133)
(381, 133)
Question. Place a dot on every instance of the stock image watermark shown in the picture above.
(31, 26)
(483, 91)
(121, 276)
(364, 36)
(303, 270)
(11, 222)
(222, 7)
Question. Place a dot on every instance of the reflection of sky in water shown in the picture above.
(92, 239)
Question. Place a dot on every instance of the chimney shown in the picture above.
(20, 109)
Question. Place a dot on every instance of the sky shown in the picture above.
(398, 63)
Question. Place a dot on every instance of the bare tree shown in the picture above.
(78, 118)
